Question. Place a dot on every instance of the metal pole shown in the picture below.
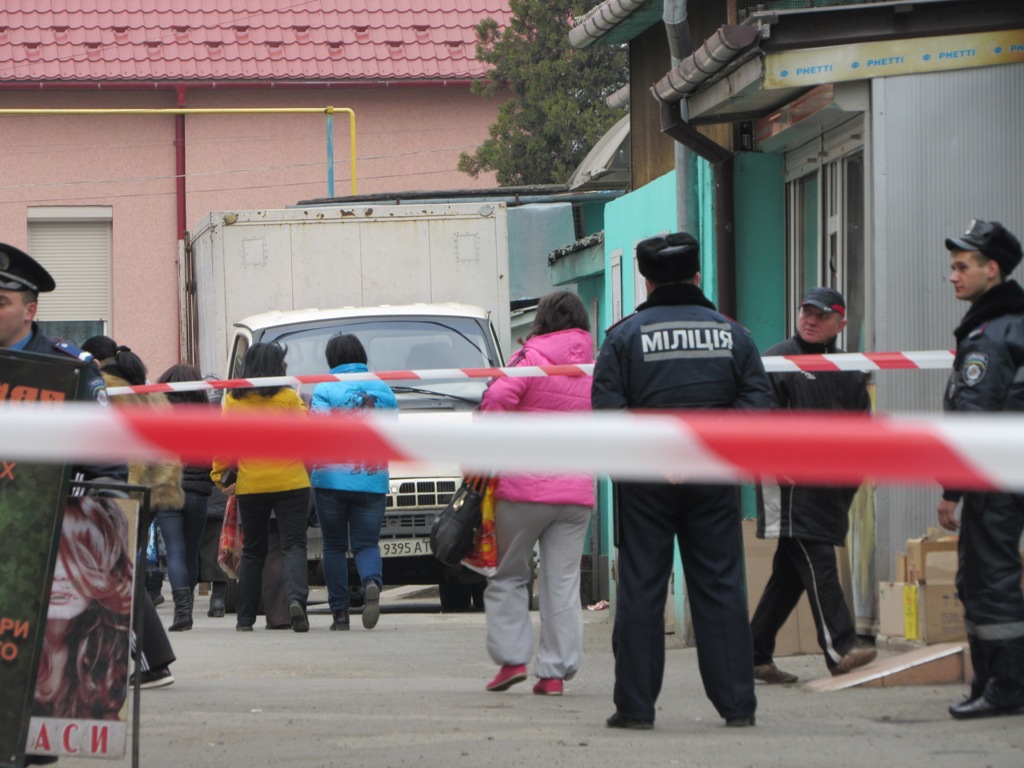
(330, 151)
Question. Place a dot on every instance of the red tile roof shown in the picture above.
(252, 40)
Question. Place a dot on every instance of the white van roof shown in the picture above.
(290, 317)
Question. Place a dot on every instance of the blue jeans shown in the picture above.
(182, 530)
(349, 519)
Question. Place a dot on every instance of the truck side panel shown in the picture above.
(249, 262)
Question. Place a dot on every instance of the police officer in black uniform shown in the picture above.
(676, 351)
(988, 375)
(22, 279)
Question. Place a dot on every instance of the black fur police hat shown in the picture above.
(993, 240)
(668, 258)
(20, 272)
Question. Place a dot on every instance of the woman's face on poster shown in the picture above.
(66, 598)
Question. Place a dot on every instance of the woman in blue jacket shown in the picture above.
(350, 498)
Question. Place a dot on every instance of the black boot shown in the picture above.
(340, 620)
(182, 610)
(217, 599)
(154, 583)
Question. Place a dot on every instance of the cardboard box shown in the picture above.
(900, 573)
(940, 567)
(799, 634)
(933, 613)
(918, 552)
(890, 609)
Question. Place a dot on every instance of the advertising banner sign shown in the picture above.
(32, 498)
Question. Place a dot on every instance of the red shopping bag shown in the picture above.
(229, 553)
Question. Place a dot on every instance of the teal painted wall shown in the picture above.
(593, 217)
(760, 216)
(706, 230)
(648, 211)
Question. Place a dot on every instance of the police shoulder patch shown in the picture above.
(70, 349)
(974, 368)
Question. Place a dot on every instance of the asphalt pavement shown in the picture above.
(410, 693)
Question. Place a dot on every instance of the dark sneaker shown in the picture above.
(154, 678)
(371, 604)
(740, 722)
(970, 709)
(769, 673)
(858, 657)
(299, 621)
(243, 628)
(341, 621)
(619, 721)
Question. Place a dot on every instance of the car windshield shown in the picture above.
(397, 344)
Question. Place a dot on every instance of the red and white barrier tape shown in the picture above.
(852, 361)
(977, 452)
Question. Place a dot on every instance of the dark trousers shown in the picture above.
(291, 510)
(156, 646)
(705, 519)
(275, 601)
(804, 566)
(988, 581)
(209, 544)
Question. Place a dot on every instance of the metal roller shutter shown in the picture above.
(77, 252)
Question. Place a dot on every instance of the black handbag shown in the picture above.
(451, 536)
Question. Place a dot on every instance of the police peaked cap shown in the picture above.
(668, 258)
(992, 240)
(20, 272)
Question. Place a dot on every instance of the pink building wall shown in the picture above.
(407, 138)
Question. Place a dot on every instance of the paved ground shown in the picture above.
(410, 693)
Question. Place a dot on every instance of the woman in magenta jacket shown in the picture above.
(552, 510)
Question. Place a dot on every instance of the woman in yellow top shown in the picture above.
(264, 488)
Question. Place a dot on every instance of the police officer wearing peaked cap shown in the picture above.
(988, 375)
(22, 279)
(677, 351)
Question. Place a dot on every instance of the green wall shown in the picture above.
(760, 217)
(650, 210)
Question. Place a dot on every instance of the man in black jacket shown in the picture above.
(809, 521)
(677, 351)
(988, 375)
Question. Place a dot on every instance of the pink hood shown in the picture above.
(555, 393)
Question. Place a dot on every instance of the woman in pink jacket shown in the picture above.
(553, 510)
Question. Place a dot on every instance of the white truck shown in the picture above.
(421, 286)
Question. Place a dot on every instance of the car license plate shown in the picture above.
(404, 547)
